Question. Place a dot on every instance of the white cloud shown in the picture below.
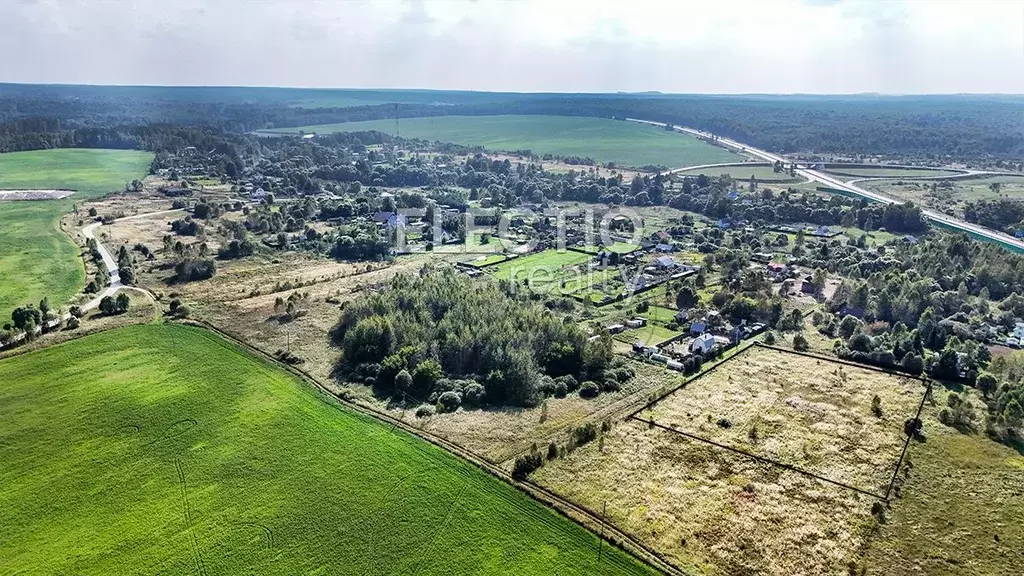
(526, 45)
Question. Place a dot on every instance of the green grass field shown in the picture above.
(540, 266)
(36, 258)
(650, 335)
(660, 314)
(617, 247)
(960, 510)
(761, 173)
(882, 172)
(604, 140)
(162, 449)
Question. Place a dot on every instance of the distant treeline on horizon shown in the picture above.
(959, 126)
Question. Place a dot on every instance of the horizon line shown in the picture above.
(478, 91)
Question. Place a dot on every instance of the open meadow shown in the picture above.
(166, 449)
(961, 509)
(886, 172)
(953, 196)
(37, 258)
(604, 140)
(761, 171)
(718, 512)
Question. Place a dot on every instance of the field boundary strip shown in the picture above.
(906, 443)
(759, 458)
(779, 463)
(614, 536)
(872, 367)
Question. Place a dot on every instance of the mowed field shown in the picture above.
(604, 140)
(760, 171)
(962, 191)
(36, 258)
(716, 512)
(163, 449)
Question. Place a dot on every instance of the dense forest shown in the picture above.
(965, 127)
(441, 333)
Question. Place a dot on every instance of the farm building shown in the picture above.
(616, 328)
(698, 327)
(636, 323)
(665, 262)
(1018, 331)
(702, 344)
(776, 270)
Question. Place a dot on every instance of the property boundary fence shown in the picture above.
(778, 463)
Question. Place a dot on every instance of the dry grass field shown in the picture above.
(960, 510)
(500, 434)
(714, 511)
(809, 413)
(240, 300)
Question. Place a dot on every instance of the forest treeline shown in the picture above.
(965, 127)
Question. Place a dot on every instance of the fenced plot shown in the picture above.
(769, 463)
(837, 422)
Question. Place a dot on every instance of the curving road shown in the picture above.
(832, 181)
(115, 276)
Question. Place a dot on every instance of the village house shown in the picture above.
(702, 344)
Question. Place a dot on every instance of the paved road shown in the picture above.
(832, 181)
(115, 275)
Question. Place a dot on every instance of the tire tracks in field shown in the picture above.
(386, 502)
(426, 549)
(588, 519)
(174, 430)
(267, 532)
(187, 508)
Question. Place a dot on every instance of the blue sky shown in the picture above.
(721, 46)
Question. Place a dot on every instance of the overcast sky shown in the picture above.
(715, 46)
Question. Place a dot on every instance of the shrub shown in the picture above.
(589, 389)
(560, 389)
(427, 374)
(73, 323)
(403, 381)
(526, 464)
(191, 269)
(583, 434)
(610, 385)
(552, 450)
(472, 394)
(451, 400)
(571, 384)
(769, 337)
(546, 386)
(724, 423)
(800, 343)
(425, 411)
